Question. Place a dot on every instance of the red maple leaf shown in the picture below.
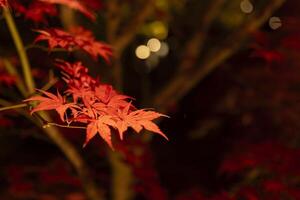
(138, 120)
(97, 105)
(74, 4)
(102, 127)
(51, 102)
(77, 38)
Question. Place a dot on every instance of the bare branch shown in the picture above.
(113, 19)
(183, 82)
(131, 29)
(92, 191)
(195, 45)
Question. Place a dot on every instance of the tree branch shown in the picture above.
(194, 46)
(113, 19)
(21, 50)
(92, 191)
(183, 82)
(131, 29)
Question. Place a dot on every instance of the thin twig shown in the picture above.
(13, 107)
(21, 50)
(48, 85)
(48, 124)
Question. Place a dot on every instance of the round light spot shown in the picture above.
(275, 23)
(246, 6)
(164, 50)
(142, 52)
(154, 44)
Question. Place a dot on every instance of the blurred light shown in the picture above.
(142, 52)
(154, 44)
(164, 50)
(246, 6)
(159, 30)
(275, 23)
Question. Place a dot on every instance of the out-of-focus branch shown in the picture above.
(131, 29)
(68, 17)
(122, 178)
(28, 78)
(113, 19)
(183, 82)
(194, 46)
(22, 105)
(92, 191)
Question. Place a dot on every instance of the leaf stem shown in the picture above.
(48, 124)
(29, 81)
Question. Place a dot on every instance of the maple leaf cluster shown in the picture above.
(94, 104)
(36, 11)
(77, 38)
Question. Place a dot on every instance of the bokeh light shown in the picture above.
(142, 52)
(154, 44)
(275, 23)
(246, 6)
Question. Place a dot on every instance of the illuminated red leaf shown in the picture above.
(51, 102)
(78, 38)
(96, 105)
(102, 127)
(138, 120)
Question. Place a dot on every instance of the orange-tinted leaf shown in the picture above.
(102, 127)
(78, 38)
(51, 102)
(137, 120)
